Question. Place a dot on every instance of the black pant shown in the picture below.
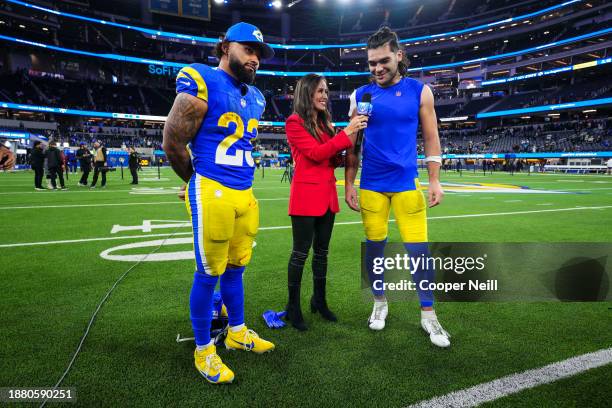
(38, 176)
(85, 176)
(134, 171)
(56, 172)
(307, 232)
(99, 167)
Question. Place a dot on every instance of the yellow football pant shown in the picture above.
(224, 222)
(409, 208)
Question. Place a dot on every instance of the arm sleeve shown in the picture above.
(191, 81)
(301, 140)
(353, 105)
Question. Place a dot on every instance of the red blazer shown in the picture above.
(313, 189)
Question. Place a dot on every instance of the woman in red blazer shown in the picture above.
(313, 202)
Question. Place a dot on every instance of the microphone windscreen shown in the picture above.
(366, 97)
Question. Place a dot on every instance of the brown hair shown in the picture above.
(302, 106)
(386, 36)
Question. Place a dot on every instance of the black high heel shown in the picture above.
(294, 315)
(320, 305)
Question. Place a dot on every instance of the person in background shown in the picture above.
(84, 156)
(313, 201)
(37, 161)
(55, 164)
(99, 165)
(133, 163)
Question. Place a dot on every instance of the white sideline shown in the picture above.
(177, 201)
(279, 227)
(511, 384)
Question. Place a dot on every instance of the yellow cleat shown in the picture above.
(209, 364)
(247, 340)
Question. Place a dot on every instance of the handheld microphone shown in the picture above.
(363, 108)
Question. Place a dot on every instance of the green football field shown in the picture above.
(61, 251)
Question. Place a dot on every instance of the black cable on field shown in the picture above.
(102, 302)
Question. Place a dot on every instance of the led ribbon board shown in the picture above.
(112, 115)
(545, 108)
(208, 40)
(116, 115)
(538, 74)
(126, 58)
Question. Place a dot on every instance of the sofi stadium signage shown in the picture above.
(163, 70)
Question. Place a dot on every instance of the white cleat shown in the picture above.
(437, 334)
(378, 316)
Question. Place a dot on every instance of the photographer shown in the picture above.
(55, 164)
(133, 163)
(99, 165)
(84, 157)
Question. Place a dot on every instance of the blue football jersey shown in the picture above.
(390, 140)
(221, 149)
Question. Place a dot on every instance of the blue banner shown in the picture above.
(164, 6)
(196, 9)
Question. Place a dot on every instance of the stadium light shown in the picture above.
(219, 1)
(276, 4)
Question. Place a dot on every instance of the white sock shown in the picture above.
(429, 314)
(200, 348)
(236, 329)
(380, 302)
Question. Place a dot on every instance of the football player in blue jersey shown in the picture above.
(207, 139)
(389, 177)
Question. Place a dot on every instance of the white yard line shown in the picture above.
(514, 383)
(90, 205)
(281, 227)
(114, 204)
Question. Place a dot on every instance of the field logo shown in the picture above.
(147, 226)
(481, 188)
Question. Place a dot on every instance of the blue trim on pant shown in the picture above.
(195, 217)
